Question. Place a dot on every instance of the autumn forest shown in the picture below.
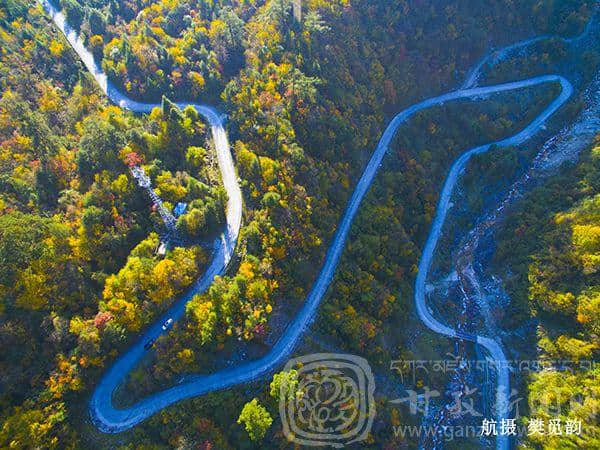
(83, 265)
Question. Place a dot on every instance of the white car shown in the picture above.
(167, 324)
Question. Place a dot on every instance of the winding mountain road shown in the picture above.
(499, 55)
(112, 420)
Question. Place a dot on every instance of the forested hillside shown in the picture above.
(551, 244)
(307, 101)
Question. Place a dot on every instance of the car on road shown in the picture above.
(167, 324)
(148, 345)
